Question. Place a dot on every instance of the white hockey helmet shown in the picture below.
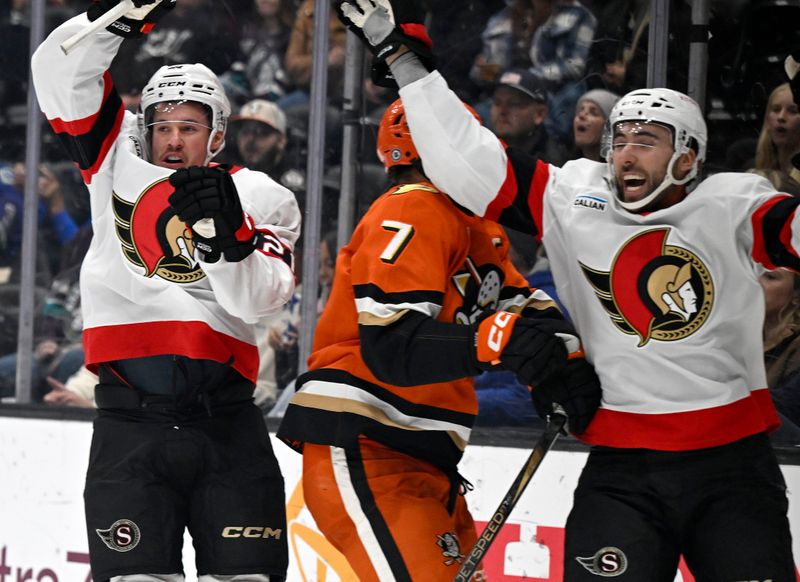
(680, 113)
(189, 82)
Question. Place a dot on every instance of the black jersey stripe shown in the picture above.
(86, 148)
(772, 226)
(372, 291)
(404, 406)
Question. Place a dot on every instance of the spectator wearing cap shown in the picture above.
(263, 142)
(518, 111)
(260, 134)
(591, 114)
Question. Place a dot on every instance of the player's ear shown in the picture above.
(216, 141)
(685, 163)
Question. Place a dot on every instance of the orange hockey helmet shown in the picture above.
(394, 144)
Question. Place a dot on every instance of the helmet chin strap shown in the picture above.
(209, 154)
(658, 192)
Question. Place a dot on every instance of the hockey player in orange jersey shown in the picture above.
(424, 297)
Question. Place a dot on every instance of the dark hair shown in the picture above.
(398, 174)
(330, 239)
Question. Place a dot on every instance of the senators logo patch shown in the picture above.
(654, 290)
(154, 238)
(607, 562)
(122, 536)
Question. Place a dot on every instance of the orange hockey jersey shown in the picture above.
(414, 251)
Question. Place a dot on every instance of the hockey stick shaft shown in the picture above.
(478, 551)
(105, 19)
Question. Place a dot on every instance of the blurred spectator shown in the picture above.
(57, 226)
(559, 53)
(284, 334)
(14, 57)
(15, 28)
(369, 179)
(299, 57)
(53, 199)
(779, 140)
(618, 57)
(506, 41)
(260, 139)
(77, 391)
(58, 351)
(591, 114)
(263, 41)
(259, 134)
(519, 108)
(782, 348)
(456, 30)
(11, 207)
(196, 31)
(266, 390)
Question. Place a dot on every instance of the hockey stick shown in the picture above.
(105, 19)
(555, 425)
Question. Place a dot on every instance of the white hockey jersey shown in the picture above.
(668, 303)
(144, 290)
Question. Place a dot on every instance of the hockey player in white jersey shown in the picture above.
(186, 256)
(659, 270)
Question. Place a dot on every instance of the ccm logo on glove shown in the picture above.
(493, 335)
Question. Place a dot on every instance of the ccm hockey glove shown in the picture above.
(137, 22)
(385, 26)
(209, 192)
(526, 346)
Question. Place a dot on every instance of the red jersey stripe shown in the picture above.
(683, 431)
(193, 339)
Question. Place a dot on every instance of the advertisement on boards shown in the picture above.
(43, 537)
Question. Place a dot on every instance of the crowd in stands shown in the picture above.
(543, 74)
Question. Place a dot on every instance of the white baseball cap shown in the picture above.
(263, 111)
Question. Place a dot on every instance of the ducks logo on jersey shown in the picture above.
(654, 290)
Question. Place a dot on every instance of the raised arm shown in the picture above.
(75, 91)
(459, 155)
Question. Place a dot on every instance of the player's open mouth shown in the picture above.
(633, 182)
(172, 159)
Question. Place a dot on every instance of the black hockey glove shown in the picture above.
(526, 346)
(135, 23)
(385, 26)
(576, 389)
(209, 192)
